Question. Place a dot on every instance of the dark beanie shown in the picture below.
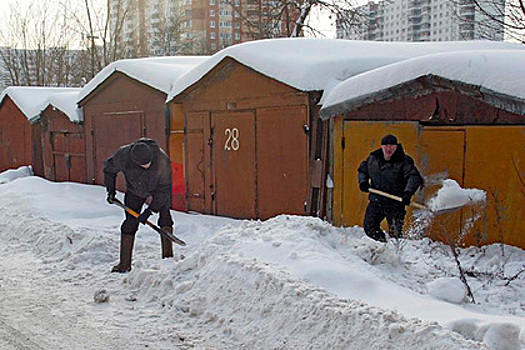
(141, 153)
(389, 140)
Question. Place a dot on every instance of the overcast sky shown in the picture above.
(323, 23)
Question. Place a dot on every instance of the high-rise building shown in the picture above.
(164, 27)
(420, 20)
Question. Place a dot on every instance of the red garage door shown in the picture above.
(233, 163)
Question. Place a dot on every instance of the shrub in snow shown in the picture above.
(447, 289)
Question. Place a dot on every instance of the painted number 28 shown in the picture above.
(232, 140)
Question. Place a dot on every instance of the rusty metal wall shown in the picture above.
(246, 144)
(63, 145)
(439, 108)
(118, 112)
(476, 155)
(16, 138)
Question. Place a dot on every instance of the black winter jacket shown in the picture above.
(397, 176)
(154, 181)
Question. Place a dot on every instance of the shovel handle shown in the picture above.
(132, 212)
(396, 198)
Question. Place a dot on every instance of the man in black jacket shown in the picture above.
(390, 170)
(147, 170)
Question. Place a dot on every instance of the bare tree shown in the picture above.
(37, 45)
(491, 16)
(263, 19)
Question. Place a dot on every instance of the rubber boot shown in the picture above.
(166, 244)
(126, 252)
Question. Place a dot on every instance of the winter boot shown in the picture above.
(166, 244)
(126, 252)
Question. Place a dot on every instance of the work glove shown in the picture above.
(111, 197)
(364, 186)
(406, 198)
(143, 217)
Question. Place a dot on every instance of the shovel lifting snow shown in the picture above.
(415, 204)
(163, 233)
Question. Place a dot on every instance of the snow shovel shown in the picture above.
(163, 233)
(415, 204)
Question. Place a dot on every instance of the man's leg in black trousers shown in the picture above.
(395, 216)
(128, 229)
(373, 216)
(166, 223)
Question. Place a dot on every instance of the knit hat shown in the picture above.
(389, 140)
(141, 153)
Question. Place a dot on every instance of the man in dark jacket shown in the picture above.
(147, 170)
(390, 170)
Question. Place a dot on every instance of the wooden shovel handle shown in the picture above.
(396, 198)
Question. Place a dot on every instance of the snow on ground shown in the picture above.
(286, 283)
(12, 174)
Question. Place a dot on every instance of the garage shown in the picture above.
(129, 96)
(457, 114)
(20, 133)
(63, 143)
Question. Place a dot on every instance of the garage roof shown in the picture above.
(32, 100)
(156, 72)
(496, 76)
(318, 64)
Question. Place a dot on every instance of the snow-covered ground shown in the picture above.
(286, 283)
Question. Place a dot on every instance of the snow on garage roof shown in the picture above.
(32, 100)
(67, 103)
(500, 72)
(157, 72)
(316, 64)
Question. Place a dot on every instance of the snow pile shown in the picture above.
(289, 282)
(447, 289)
(451, 195)
(12, 174)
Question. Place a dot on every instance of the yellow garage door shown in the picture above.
(442, 157)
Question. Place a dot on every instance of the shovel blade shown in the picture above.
(447, 210)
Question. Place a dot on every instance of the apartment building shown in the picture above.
(164, 27)
(420, 20)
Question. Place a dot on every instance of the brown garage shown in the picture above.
(458, 113)
(20, 138)
(63, 143)
(124, 102)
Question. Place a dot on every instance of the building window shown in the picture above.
(212, 35)
(212, 13)
(212, 2)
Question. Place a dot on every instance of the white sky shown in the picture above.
(321, 20)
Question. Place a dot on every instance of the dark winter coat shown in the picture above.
(154, 181)
(396, 176)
